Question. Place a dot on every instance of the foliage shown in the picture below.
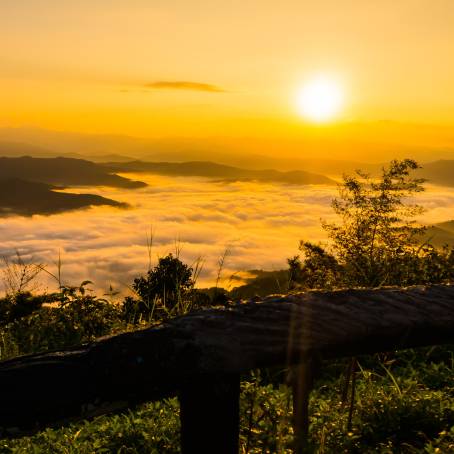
(377, 222)
(265, 412)
(402, 414)
(320, 268)
(169, 281)
(21, 304)
(167, 288)
(19, 276)
(412, 415)
(72, 317)
(262, 283)
(377, 241)
(153, 428)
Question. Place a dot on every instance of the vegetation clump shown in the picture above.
(167, 289)
(377, 241)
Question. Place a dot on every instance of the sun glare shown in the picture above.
(320, 99)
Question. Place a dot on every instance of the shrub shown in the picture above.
(166, 290)
(377, 241)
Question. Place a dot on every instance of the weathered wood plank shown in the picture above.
(154, 363)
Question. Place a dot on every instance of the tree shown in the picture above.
(377, 223)
(377, 240)
(319, 270)
(169, 282)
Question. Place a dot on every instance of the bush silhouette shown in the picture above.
(167, 287)
(377, 241)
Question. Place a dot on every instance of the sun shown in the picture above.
(320, 99)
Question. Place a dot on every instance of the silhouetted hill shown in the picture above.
(438, 172)
(243, 160)
(261, 283)
(63, 172)
(441, 234)
(220, 171)
(27, 198)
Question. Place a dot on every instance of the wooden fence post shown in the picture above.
(302, 382)
(209, 414)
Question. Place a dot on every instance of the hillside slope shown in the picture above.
(441, 234)
(219, 171)
(438, 172)
(28, 198)
(63, 172)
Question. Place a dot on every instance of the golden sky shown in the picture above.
(200, 68)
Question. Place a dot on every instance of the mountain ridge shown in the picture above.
(27, 198)
(214, 170)
(63, 172)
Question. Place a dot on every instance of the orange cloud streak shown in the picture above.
(185, 85)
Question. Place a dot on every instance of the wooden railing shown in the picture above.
(200, 357)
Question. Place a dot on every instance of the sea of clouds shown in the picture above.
(260, 224)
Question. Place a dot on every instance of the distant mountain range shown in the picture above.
(27, 198)
(63, 172)
(220, 171)
(19, 149)
(16, 142)
(245, 160)
(372, 141)
(438, 172)
(28, 185)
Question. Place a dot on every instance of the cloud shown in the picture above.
(184, 85)
(261, 225)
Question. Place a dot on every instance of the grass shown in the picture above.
(153, 428)
(413, 412)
